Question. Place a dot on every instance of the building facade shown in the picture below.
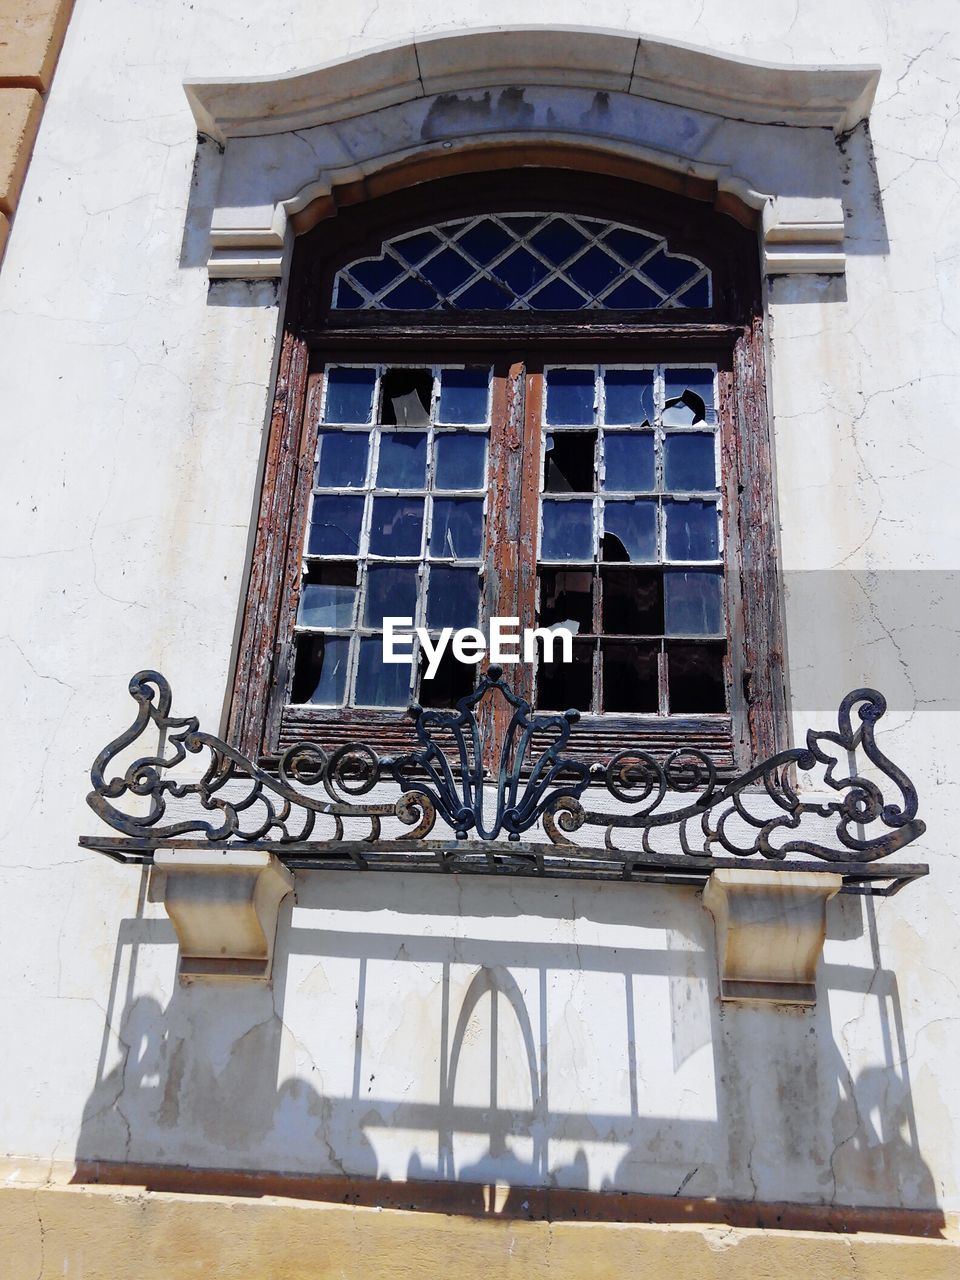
(639, 322)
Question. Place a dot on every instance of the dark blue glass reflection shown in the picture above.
(689, 462)
(335, 521)
(463, 395)
(396, 527)
(453, 598)
(692, 530)
(630, 531)
(629, 396)
(457, 529)
(391, 593)
(403, 460)
(460, 461)
(349, 395)
(567, 530)
(570, 396)
(630, 461)
(341, 459)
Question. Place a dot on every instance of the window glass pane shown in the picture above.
(567, 531)
(341, 459)
(695, 678)
(693, 603)
(397, 526)
(391, 593)
(405, 397)
(632, 602)
(460, 461)
(320, 671)
(457, 529)
(349, 395)
(379, 683)
(570, 396)
(629, 396)
(327, 596)
(630, 530)
(630, 681)
(453, 598)
(629, 463)
(335, 522)
(569, 464)
(689, 397)
(566, 596)
(692, 530)
(402, 463)
(689, 462)
(463, 395)
(561, 685)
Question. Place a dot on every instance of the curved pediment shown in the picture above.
(835, 97)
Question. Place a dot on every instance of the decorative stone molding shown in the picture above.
(224, 907)
(770, 931)
(760, 134)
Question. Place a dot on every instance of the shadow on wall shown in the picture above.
(497, 1059)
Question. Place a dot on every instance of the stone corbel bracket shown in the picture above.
(224, 906)
(762, 135)
(770, 931)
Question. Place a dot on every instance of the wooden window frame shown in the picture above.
(730, 335)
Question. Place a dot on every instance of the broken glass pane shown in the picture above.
(689, 397)
(629, 461)
(570, 396)
(693, 603)
(695, 678)
(632, 602)
(460, 461)
(335, 521)
(567, 531)
(320, 670)
(379, 683)
(397, 526)
(341, 459)
(630, 530)
(327, 596)
(453, 598)
(457, 529)
(454, 680)
(629, 396)
(463, 395)
(391, 593)
(562, 685)
(566, 596)
(630, 681)
(692, 530)
(405, 397)
(569, 463)
(402, 463)
(689, 462)
(349, 394)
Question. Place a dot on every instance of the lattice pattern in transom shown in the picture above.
(523, 262)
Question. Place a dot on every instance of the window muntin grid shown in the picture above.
(395, 528)
(524, 262)
(631, 538)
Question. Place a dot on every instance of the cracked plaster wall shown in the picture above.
(522, 1033)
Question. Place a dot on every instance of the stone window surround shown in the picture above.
(760, 138)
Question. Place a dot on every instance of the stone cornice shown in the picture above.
(834, 97)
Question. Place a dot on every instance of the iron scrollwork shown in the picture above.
(536, 782)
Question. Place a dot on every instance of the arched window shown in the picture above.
(535, 394)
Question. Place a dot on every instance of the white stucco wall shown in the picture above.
(133, 408)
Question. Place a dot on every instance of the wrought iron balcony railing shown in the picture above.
(544, 812)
